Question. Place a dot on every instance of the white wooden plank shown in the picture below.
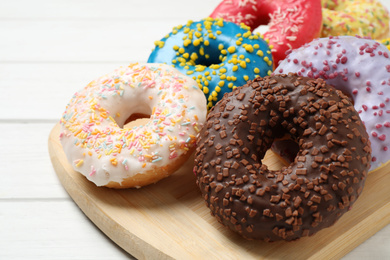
(101, 9)
(57, 229)
(89, 39)
(376, 247)
(85, 40)
(26, 170)
(42, 90)
(51, 230)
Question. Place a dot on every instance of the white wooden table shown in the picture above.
(49, 49)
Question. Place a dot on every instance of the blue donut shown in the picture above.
(219, 55)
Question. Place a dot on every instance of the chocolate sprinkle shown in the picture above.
(310, 194)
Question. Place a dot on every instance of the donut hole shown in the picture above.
(282, 153)
(262, 29)
(136, 119)
(213, 57)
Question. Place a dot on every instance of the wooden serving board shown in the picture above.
(169, 219)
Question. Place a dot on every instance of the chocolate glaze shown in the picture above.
(313, 192)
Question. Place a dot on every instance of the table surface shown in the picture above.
(49, 50)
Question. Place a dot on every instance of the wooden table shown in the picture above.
(49, 50)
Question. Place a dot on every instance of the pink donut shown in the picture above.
(292, 23)
(359, 67)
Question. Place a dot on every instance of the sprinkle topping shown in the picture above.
(94, 134)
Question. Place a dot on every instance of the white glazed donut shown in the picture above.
(359, 67)
(98, 145)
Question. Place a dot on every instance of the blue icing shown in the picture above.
(219, 55)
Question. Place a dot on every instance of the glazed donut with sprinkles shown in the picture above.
(100, 144)
(366, 18)
(219, 55)
(291, 22)
(359, 67)
(312, 193)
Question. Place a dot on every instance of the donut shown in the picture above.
(291, 23)
(310, 194)
(366, 18)
(359, 67)
(219, 55)
(99, 145)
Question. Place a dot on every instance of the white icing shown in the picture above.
(92, 135)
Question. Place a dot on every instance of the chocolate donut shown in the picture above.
(310, 194)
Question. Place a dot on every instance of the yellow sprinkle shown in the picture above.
(189, 72)
(112, 119)
(246, 77)
(196, 42)
(206, 43)
(247, 34)
(235, 68)
(79, 163)
(256, 70)
(194, 56)
(221, 83)
(231, 49)
(186, 42)
(160, 44)
(186, 55)
(220, 46)
(205, 90)
(238, 42)
(181, 50)
(200, 68)
(243, 64)
(230, 85)
(218, 89)
(260, 53)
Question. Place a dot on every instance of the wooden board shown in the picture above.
(170, 219)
